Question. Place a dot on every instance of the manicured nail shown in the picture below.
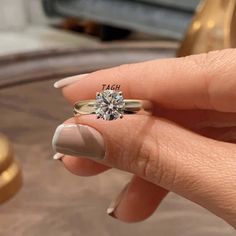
(58, 156)
(78, 140)
(115, 203)
(67, 81)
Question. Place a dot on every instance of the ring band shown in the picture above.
(110, 105)
(87, 107)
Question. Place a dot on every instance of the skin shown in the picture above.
(187, 146)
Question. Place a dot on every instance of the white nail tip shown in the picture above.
(67, 81)
(57, 156)
(110, 211)
(57, 133)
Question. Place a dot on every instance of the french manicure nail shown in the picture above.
(78, 140)
(115, 203)
(58, 156)
(67, 81)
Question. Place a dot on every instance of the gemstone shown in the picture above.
(109, 105)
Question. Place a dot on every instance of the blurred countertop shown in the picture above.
(36, 38)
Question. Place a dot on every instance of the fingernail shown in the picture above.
(58, 156)
(67, 81)
(115, 203)
(78, 140)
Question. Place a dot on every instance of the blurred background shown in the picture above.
(24, 25)
(45, 40)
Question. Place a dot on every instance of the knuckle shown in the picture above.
(148, 157)
(207, 65)
(146, 161)
(214, 68)
(150, 165)
(204, 60)
(214, 62)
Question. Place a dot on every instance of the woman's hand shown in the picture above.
(187, 146)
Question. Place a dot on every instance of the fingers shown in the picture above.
(82, 166)
(79, 165)
(200, 169)
(137, 201)
(196, 119)
(205, 81)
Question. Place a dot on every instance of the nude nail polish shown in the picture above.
(67, 81)
(78, 140)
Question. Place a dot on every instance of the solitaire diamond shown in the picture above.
(109, 105)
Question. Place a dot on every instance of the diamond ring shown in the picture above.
(110, 105)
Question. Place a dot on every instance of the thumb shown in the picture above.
(158, 151)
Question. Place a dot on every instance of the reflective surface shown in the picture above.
(212, 28)
(10, 174)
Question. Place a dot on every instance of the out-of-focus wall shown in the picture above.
(18, 14)
(13, 14)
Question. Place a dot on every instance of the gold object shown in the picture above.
(10, 174)
(212, 28)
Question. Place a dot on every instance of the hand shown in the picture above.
(187, 146)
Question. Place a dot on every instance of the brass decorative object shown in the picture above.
(212, 28)
(10, 174)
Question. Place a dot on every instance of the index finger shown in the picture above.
(205, 81)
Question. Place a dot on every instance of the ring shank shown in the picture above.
(132, 106)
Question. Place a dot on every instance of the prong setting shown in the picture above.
(109, 105)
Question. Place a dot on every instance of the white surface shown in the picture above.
(19, 14)
(38, 38)
(24, 27)
(13, 14)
